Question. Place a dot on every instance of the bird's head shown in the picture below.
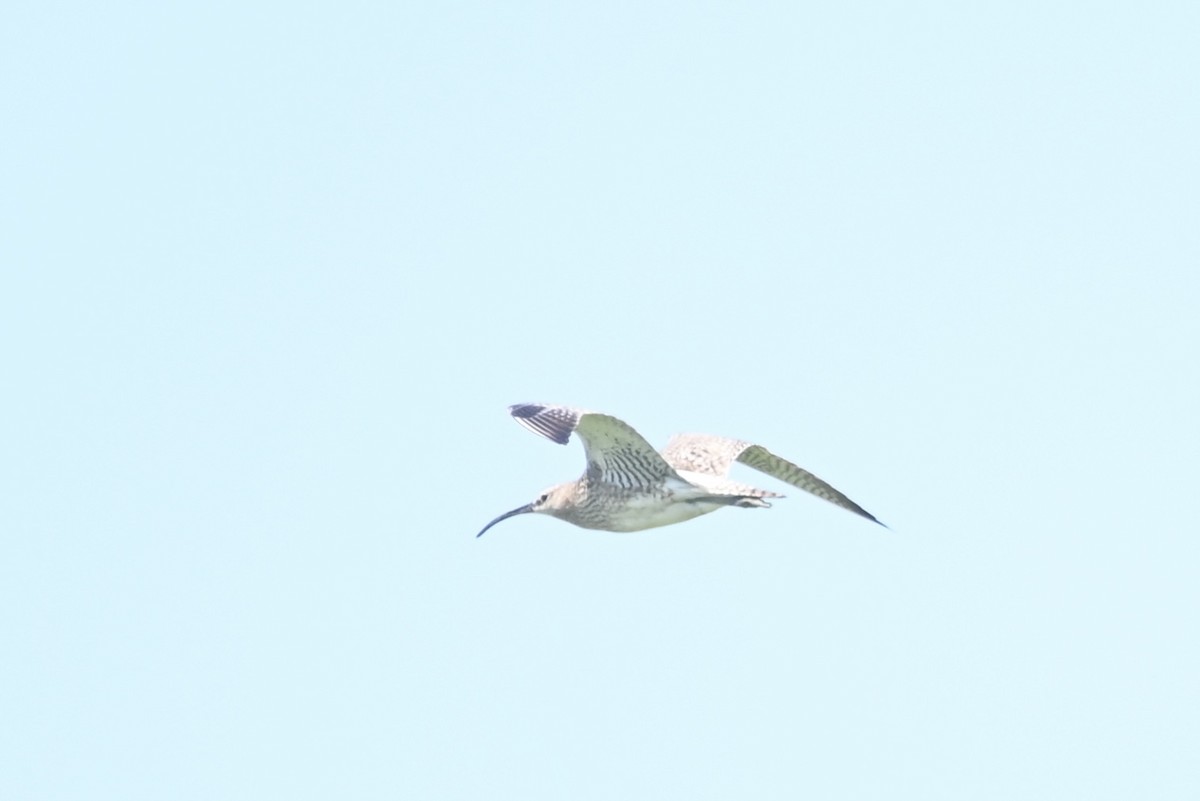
(553, 501)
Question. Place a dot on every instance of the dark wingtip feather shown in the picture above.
(864, 513)
(553, 423)
(525, 410)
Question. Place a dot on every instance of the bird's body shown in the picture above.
(629, 486)
(616, 508)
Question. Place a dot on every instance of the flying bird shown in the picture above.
(629, 486)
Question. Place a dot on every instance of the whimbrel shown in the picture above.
(629, 486)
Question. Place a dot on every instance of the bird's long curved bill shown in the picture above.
(520, 511)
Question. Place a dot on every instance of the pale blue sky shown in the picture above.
(272, 273)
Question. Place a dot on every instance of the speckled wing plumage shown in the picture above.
(616, 453)
(702, 453)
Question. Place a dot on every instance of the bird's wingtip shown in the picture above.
(555, 423)
(525, 410)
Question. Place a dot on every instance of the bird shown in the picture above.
(629, 486)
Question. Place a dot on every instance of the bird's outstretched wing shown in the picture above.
(703, 453)
(616, 453)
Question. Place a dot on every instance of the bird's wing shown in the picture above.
(616, 453)
(702, 453)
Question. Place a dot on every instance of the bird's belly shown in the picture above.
(643, 513)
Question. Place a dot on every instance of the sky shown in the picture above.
(273, 272)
